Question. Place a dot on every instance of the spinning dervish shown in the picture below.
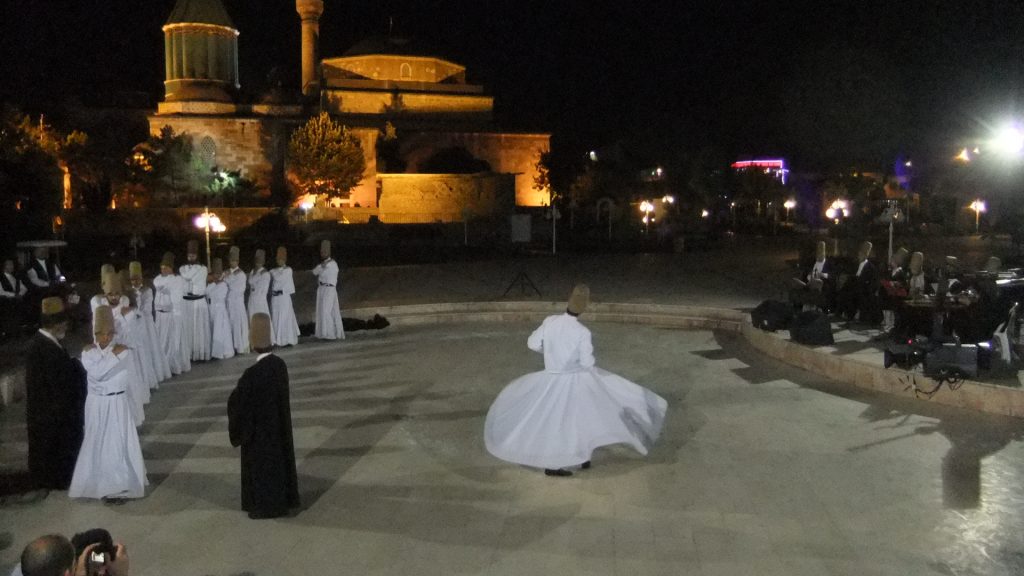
(554, 419)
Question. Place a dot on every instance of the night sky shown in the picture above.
(826, 86)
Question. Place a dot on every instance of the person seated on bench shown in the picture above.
(816, 287)
(859, 295)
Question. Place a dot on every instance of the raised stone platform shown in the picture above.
(863, 370)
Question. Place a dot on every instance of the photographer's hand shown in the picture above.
(82, 562)
(119, 565)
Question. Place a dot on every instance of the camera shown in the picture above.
(97, 561)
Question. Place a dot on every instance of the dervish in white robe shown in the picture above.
(235, 280)
(196, 312)
(169, 306)
(144, 298)
(220, 326)
(110, 460)
(259, 291)
(556, 418)
(125, 334)
(328, 310)
(285, 325)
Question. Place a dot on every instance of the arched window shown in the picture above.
(208, 151)
(405, 71)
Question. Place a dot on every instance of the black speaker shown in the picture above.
(772, 315)
(811, 328)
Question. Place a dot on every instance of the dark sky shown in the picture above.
(824, 83)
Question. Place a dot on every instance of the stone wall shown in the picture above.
(508, 153)
(413, 198)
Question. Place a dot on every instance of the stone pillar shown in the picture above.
(310, 11)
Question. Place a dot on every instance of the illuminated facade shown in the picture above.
(378, 82)
(774, 166)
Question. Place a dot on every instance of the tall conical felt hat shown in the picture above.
(110, 281)
(193, 247)
(325, 247)
(135, 269)
(103, 320)
(53, 311)
(579, 299)
(168, 260)
(259, 331)
(260, 258)
(282, 254)
(217, 267)
(233, 256)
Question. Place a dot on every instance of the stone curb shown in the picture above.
(971, 395)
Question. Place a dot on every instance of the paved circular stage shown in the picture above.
(759, 471)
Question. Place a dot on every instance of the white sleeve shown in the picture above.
(586, 351)
(536, 340)
(34, 279)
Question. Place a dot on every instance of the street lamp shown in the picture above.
(209, 221)
(837, 210)
(647, 207)
(789, 205)
(978, 206)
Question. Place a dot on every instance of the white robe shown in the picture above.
(127, 334)
(169, 306)
(196, 312)
(286, 327)
(236, 282)
(328, 310)
(557, 417)
(110, 460)
(259, 292)
(144, 297)
(220, 326)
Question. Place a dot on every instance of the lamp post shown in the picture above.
(208, 221)
(789, 205)
(978, 206)
(646, 208)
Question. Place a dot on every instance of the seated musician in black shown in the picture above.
(894, 287)
(859, 295)
(816, 286)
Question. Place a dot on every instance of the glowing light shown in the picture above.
(908, 164)
(704, 214)
(838, 209)
(978, 206)
(592, 155)
(212, 220)
(963, 156)
(669, 199)
(646, 207)
(789, 204)
(1009, 141)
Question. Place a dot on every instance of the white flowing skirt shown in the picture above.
(196, 328)
(239, 324)
(138, 341)
(328, 314)
(223, 346)
(286, 327)
(169, 330)
(554, 420)
(110, 460)
(158, 357)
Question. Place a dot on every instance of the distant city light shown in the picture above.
(668, 199)
(908, 164)
(1009, 141)
(776, 166)
(592, 155)
(789, 204)
(704, 214)
(838, 209)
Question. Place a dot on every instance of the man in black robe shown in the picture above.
(260, 421)
(55, 390)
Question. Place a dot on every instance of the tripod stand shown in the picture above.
(523, 280)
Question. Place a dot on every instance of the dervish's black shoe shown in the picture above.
(560, 472)
(585, 465)
(115, 501)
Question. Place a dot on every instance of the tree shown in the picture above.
(325, 157)
(166, 167)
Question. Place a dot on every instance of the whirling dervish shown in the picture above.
(556, 418)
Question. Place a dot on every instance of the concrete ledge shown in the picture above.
(972, 395)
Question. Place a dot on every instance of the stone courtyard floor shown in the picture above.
(761, 469)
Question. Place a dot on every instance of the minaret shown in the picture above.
(310, 11)
(201, 53)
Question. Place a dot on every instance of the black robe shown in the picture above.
(55, 389)
(260, 421)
